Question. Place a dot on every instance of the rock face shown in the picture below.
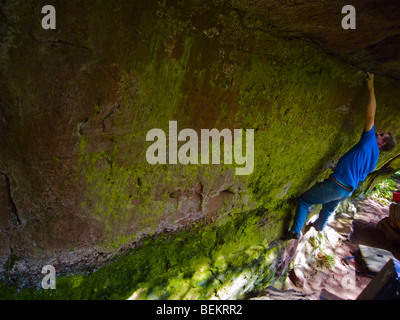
(374, 44)
(77, 103)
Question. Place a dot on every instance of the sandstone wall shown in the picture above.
(77, 102)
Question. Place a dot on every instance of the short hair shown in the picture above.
(389, 143)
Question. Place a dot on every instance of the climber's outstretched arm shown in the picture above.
(371, 106)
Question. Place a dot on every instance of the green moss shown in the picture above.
(113, 193)
(285, 99)
(198, 263)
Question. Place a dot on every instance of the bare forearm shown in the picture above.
(371, 105)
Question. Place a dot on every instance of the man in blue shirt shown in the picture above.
(352, 168)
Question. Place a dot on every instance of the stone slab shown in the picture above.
(375, 258)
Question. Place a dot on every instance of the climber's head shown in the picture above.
(385, 141)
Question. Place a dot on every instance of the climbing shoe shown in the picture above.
(292, 235)
(308, 227)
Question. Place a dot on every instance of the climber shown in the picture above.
(353, 167)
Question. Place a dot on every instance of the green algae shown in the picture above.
(116, 190)
(200, 263)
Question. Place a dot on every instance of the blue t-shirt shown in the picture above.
(359, 161)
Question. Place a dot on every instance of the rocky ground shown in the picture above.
(328, 265)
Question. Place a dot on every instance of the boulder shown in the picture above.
(394, 215)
